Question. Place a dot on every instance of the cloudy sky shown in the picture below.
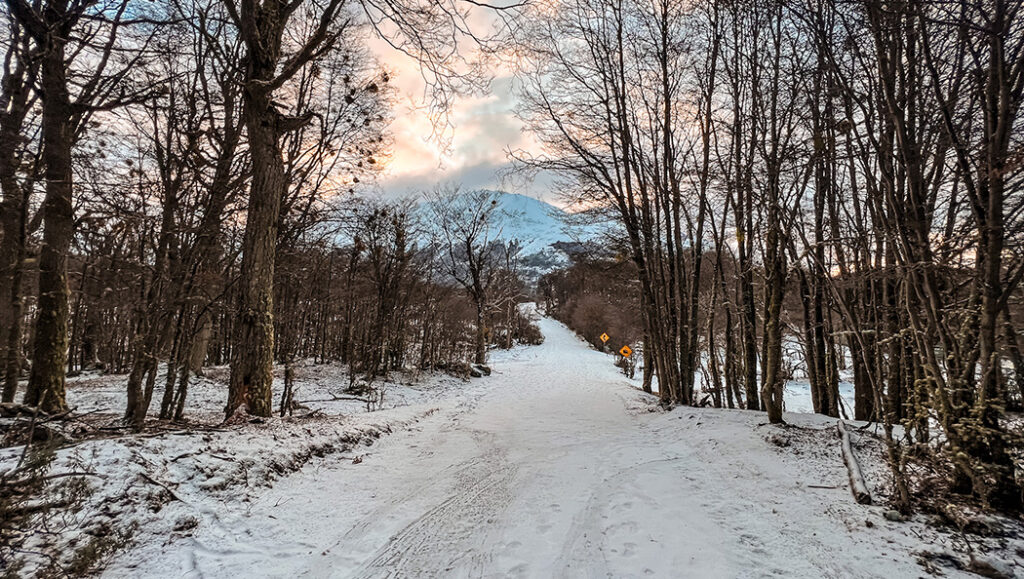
(484, 129)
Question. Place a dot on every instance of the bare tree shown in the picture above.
(91, 33)
(467, 230)
(269, 64)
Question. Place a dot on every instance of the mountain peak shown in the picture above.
(536, 226)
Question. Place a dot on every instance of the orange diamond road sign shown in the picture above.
(626, 351)
(605, 337)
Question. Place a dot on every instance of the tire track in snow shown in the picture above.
(440, 541)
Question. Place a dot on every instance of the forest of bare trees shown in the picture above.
(184, 185)
(845, 174)
(178, 191)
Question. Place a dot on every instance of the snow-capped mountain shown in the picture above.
(542, 230)
(536, 225)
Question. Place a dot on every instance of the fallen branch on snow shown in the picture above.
(857, 484)
(162, 485)
(336, 399)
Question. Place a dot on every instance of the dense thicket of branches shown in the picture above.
(851, 171)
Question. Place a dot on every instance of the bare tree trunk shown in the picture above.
(772, 381)
(262, 25)
(50, 350)
(480, 346)
(52, 25)
(11, 362)
(252, 355)
(1014, 350)
(713, 366)
(810, 353)
(197, 355)
(14, 101)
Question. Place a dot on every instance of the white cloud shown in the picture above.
(483, 129)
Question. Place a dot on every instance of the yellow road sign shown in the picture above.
(626, 351)
(605, 337)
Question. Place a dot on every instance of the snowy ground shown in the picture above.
(796, 395)
(319, 386)
(157, 487)
(553, 467)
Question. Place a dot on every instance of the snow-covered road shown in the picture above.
(554, 467)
